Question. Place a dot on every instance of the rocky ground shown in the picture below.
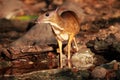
(28, 51)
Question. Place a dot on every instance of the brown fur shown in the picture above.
(65, 27)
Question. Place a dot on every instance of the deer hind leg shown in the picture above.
(69, 48)
(75, 42)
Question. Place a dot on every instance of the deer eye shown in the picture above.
(47, 14)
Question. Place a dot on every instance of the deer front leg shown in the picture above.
(60, 48)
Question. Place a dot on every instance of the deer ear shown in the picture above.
(56, 10)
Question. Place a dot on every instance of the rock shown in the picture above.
(99, 72)
(83, 59)
(5, 64)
